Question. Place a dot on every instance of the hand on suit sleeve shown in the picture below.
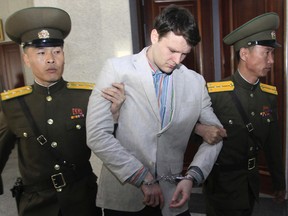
(210, 133)
(115, 94)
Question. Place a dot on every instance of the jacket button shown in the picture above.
(49, 98)
(25, 134)
(230, 122)
(54, 144)
(57, 167)
(78, 126)
(50, 121)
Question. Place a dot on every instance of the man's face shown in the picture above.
(260, 60)
(168, 51)
(46, 63)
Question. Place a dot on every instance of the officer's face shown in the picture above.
(260, 60)
(46, 63)
(167, 52)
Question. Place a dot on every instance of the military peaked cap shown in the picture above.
(257, 31)
(38, 26)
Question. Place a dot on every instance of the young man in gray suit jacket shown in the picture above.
(141, 173)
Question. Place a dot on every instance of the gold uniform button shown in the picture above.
(49, 98)
(25, 134)
(54, 144)
(78, 126)
(50, 121)
(57, 167)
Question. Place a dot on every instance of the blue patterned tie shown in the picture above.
(163, 93)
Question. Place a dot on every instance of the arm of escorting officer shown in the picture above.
(7, 143)
(211, 134)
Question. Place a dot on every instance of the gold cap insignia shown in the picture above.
(43, 34)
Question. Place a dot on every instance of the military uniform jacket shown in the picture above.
(60, 113)
(234, 173)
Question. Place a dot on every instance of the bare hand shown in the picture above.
(182, 193)
(210, 133)
(116, 95)
(152, 193)
(279, 196)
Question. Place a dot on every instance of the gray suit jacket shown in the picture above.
(139, 139)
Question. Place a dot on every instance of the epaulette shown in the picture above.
(16, 93)
(220, 86)
(268, 88)
(80, 85)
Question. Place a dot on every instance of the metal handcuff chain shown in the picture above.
(170, 179)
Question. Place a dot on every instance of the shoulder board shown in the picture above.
(268, 88)
(220, 86)
(16, 93)
(80, 85)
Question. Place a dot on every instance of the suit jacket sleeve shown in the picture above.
(100, 127)
(207, 154)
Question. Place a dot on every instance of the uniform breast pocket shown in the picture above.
(268, 119)
(232, 124)
(24, 133)
(76, 124)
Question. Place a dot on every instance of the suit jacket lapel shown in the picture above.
(178, 83)
(142, 67)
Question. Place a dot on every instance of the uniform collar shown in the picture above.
(51, 89)
(237, 78)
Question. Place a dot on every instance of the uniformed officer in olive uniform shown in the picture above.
(47, 120)
(247, 109)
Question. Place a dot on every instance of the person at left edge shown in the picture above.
(56, 172)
